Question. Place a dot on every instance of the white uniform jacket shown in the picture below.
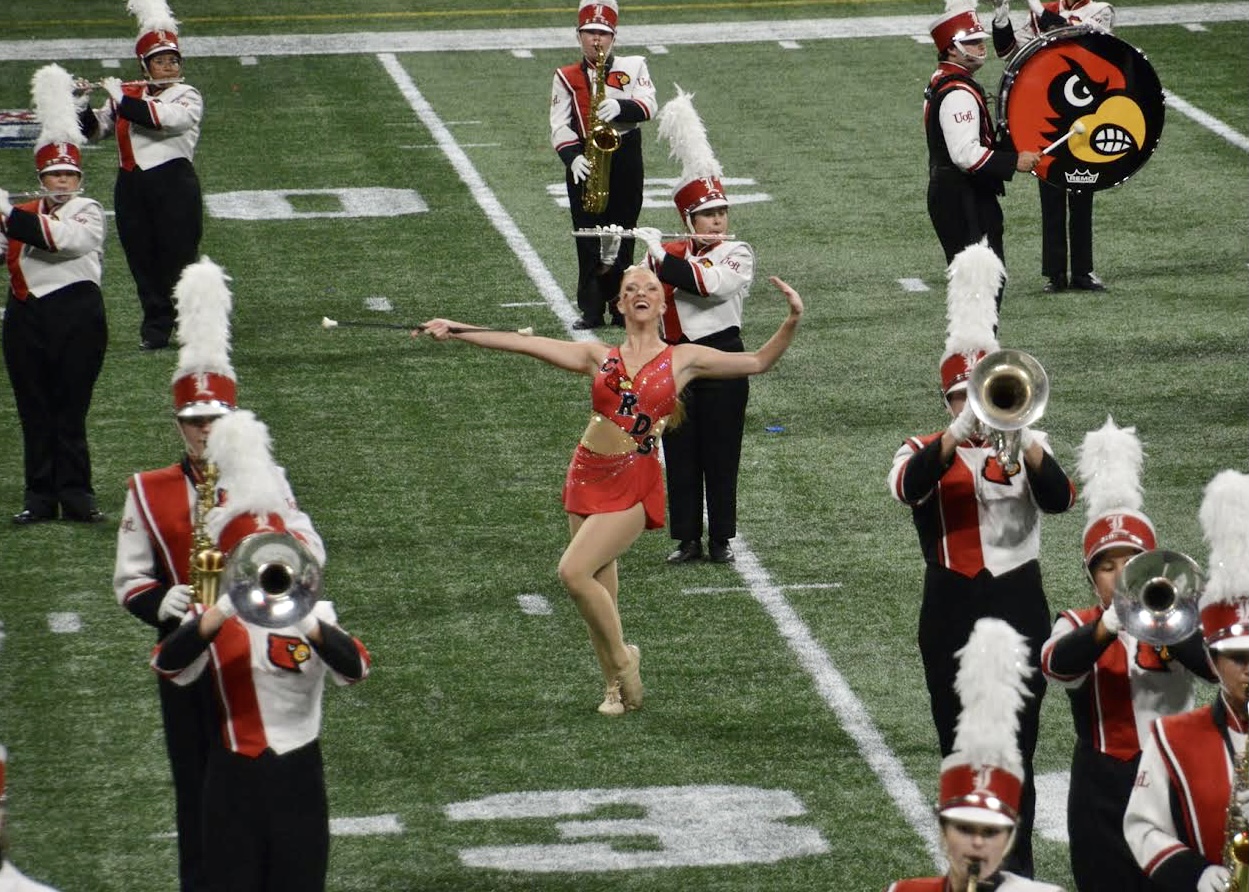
(1177, 813)
(268, 683)
(721, 276)
(1095, 13)
(13, 880)
(1125, 690)
(627, 80)
(175, 113)
(74, 233)
(154, 538)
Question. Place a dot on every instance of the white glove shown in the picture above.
(1213, 879)
(175, 603)
(1028, 437)
(608, 110)
(580, 168)
(1001, 13)
(1110, 619)
(1036, 7)
(964, 425)
(609, 243)
(6, 206)
(112, 86)
(225, 607)
(650, 235)
(306, 625)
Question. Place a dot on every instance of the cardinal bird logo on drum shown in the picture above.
(1094, 95)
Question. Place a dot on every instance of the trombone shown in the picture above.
(1007, 391)
(1156, 597)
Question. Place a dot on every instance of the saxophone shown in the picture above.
(207, 561)
(601, 141)
(1236, 846)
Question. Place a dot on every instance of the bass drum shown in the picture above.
(1082, 75)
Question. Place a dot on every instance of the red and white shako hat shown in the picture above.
(959, 22)
(204, 385)
(1224, 517)
(975, 275)
(598, 15)
(256, 494)
(982, 779)
(158, 29)
(699, 187)
(1110, 476)
(52, 94)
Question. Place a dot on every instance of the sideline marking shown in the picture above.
(534, 605)
(722, 589)
(370, 825)
(1207, 120)
(64, 623)
(912, 284)
(812, 657)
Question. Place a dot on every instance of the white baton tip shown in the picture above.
(527, 331)
(327, 322)
(1078, 127)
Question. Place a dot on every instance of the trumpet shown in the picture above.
(1156, 597)
(1007, 391)
(272, 580)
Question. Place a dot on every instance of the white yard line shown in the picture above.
(1209, 121)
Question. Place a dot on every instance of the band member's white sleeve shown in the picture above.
(562, 131)
(134, 569)
(960, 124)
(181, 112)
(80, 233)
(1147, 825)
(643, 91)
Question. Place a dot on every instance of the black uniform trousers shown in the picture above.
(267, 821)
(1096, 801)
(1066, 214)
(952, 604)
(191, 734)
(963, 211)
(160, 218)
(703, 452)
(598, 286)
(54, 349)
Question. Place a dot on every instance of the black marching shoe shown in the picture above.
(720, 552)
(688, 550)
(25, 517)
(146, 345)
(93, 515)
(1055, 284)
(1087, 282)
(584, 324)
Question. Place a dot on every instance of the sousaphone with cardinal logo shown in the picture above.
(1090, 84)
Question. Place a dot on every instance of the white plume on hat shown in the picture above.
(203, 299)
(52, 92)
(680, 125)
(240, 446)
(975, 275)
(1109, 468)
(991, 684)
(1224, 517)
(153, 15)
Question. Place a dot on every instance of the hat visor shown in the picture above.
(210, 409)
(970, 814)
(711, 205)
(596, 26)
(1232, 642)
(54, 168)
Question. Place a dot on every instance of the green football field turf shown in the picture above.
(785, 743)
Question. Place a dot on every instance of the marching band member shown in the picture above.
(1117, 684)
(157, 196)
(614, 489)
(982, 778)
(979, 527)
(1056, 202)
(55, 331)
(965, 171)
(11, 879)
(705, 284)
(1192, 790)
(151, 575)
(630, 100)
(266, 814)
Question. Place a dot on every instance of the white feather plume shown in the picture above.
(680, 125)
(240, 447)
(1224, 517)
(203, 299)
(975, 275)
(991, 684)
(1109, 468)
(153, 15)
(52, 93)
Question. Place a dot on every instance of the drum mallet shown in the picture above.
(1077, 127)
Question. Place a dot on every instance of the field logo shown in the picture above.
(689, 826)
(306, 204)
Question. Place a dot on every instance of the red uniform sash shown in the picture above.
(163, 500)
(1195, 753)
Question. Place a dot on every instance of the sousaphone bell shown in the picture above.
(272, 580)
(1156, 598)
